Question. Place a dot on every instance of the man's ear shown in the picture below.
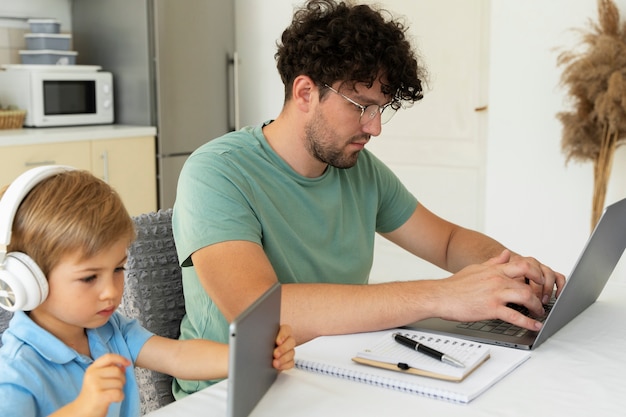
(304, 93)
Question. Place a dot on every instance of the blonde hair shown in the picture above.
(72, 212)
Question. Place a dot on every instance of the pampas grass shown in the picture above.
(595, 79)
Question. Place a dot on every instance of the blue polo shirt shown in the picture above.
(40, 374)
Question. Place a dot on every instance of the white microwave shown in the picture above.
(58, 96)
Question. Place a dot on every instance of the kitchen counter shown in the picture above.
(30, 136)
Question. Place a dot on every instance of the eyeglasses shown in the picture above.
(369, 112)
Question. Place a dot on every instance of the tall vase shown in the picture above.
(602, 172)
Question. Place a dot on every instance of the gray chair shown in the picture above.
(5, 318)
(153, 295)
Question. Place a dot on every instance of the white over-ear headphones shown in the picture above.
(22, 284)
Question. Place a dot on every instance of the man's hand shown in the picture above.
(483, 291)
(550, 279)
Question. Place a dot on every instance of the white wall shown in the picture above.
(14, 12)
(259, 24)
(535, 203)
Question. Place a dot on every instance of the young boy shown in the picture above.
(73, 354)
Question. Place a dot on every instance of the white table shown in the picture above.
(571, 374)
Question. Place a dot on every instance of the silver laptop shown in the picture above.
(251, 347)
(589, 276)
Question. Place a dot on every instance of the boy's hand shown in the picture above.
(103, 384)
(284, 353)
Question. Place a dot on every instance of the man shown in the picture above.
(299, 200)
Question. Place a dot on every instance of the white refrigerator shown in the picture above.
(173, 65)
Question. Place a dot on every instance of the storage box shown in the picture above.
(48, 57)
(55, 41)
(44, 25)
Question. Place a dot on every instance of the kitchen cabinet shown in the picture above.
(127, 163)
(16, 159)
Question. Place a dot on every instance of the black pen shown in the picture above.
(417, 346)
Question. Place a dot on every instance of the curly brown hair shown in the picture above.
(337, 41)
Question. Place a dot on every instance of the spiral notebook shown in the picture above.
(333, 356)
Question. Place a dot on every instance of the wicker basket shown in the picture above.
(12, 119)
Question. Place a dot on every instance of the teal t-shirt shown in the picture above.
(312, 229)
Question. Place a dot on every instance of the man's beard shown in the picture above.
(319, 143)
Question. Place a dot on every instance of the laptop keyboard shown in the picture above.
(502, 327)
